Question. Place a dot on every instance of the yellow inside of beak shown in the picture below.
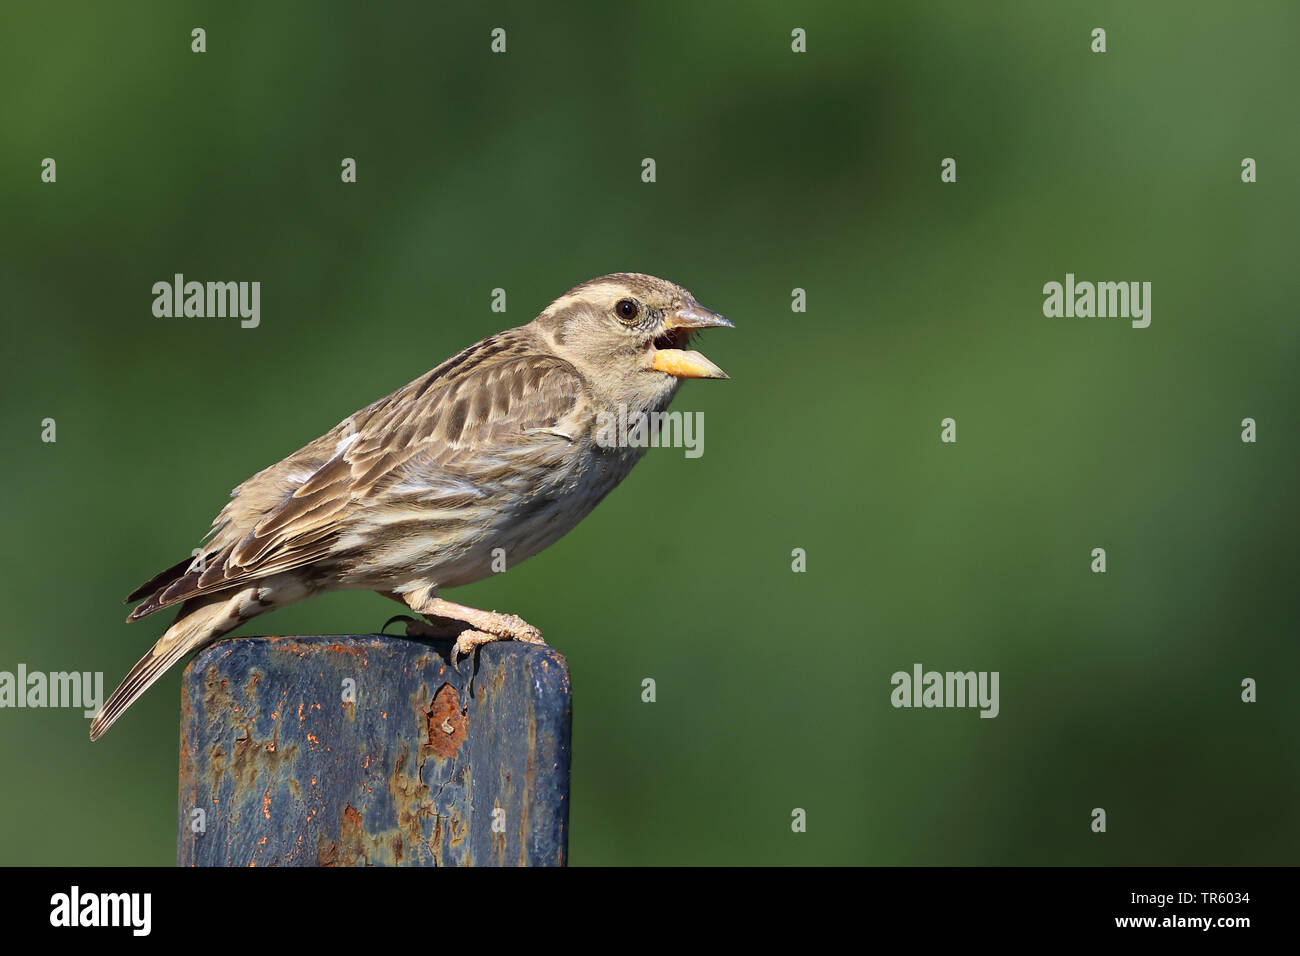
(683, 364)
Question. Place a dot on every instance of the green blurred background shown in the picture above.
(775, 171)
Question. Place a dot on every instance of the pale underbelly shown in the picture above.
(494, 540)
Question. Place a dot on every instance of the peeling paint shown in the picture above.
(394, 777)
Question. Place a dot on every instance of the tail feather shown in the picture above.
(160, 580)
(194, 627)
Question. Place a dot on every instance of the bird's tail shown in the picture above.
(198, 623)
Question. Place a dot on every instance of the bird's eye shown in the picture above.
(626, 310)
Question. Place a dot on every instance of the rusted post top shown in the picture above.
(373, 749)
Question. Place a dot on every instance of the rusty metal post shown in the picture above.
(360, 750)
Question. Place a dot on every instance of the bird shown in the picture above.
(498, 447)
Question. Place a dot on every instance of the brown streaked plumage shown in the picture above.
(494, 448)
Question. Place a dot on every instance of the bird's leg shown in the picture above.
(505, 627)
(485, 627)
(438, 627)
(469, 626)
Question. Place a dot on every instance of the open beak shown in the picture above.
(670, 357)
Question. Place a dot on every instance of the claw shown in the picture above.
(461, 650)
(468, 641)
(397, 617)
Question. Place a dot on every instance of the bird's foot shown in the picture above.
(506, 627)
(467, 641)
(484, 627)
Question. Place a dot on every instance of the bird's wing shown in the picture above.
(434, 446)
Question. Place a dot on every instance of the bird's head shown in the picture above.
(630, 332)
